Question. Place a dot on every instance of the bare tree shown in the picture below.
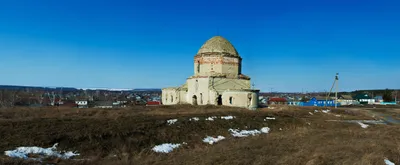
(8, 98)
(40, 98)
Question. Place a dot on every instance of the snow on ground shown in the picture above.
(227, 117)
(194, 119)
(265, 130)
(166, 147)
(362, 121)
(22, 152)
(269, 118)
(388, 162)
(211, 118)
(363, 125)
(326, 111)
(172, 121)
(271, 107)
(310, 113)
(337, 115)
(315, 111)
(245, 133)
(212, 140)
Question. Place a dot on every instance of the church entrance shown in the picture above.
(194, 100)
(219, 100)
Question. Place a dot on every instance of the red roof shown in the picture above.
(153, 103)
(276, 99)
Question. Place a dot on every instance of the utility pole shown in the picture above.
(336, 89)
(333, 85)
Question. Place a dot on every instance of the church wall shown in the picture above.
(207, 65)
(224, 84)
(244, 99)
(182, 96)
(169, 96)
(199, 88)
(230, 66)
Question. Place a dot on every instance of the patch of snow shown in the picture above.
(337, 115)
(326, 111)
(227, 117)
(280, 129)
(309, 123)
(172, 121)
(194, 119)
(388, 162)
(211, 118)
(265, 130)
(269, 118)
(362, 121)
(310, 113)
(22, 152)
(245, 133)
(271, 107)
(363, 125)
(315, 111)
(212, 140)
(166, 147)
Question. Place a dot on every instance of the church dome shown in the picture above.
(218, 44)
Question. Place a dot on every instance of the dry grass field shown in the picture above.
(126, 136)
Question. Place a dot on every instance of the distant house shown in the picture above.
(320, 101)
(364, 99)
(103, 104)
(346, 100)
(82, 104)
(153, 103)
(69, 104)
(378, 99)
(262, 99)
(277, 100)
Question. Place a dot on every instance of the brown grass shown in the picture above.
(126, 136)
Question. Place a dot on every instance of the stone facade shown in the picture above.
(217, 79)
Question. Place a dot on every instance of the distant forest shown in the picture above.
(67, 89)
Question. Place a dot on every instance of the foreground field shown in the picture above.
(126, 136)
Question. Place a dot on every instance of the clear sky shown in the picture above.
(285, 45)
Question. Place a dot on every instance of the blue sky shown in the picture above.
(285, 45)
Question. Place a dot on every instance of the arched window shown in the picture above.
(196, 85)
(230, 100)
(198, 66)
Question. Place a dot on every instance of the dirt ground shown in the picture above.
(126, 136)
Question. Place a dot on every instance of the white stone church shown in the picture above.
(217, 79)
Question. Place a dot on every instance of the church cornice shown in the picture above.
(223, 54)
(241, 76)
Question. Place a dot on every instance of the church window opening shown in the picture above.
(196, 85)
(194, 100)
(230, 100)
(201, 98)
(219, 100)
(198, 66)
(250, 98)
(172, 98)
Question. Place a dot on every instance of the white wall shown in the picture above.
(240, 99)
(198, 87)
(169, 96)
